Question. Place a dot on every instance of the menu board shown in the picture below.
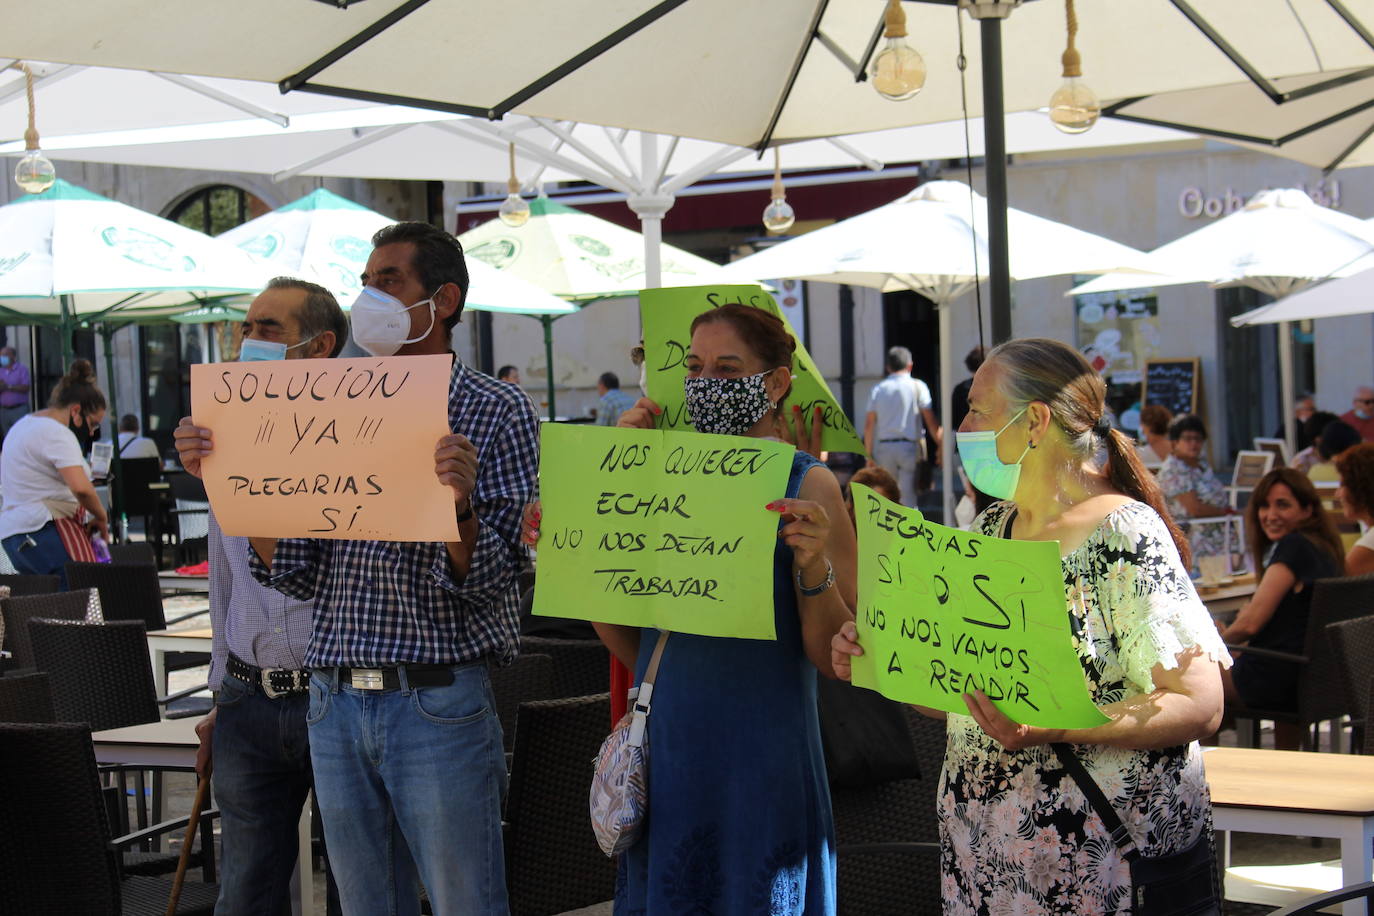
(1175, 383)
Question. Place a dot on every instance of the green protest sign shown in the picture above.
(943, 612)
(661, 529)
(666, 315)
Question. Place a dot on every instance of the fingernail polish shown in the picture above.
(774, 506)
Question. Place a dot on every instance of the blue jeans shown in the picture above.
(261, 778)
(410, 783)
(39, 553)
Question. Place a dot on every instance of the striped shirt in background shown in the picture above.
(260, 625)
(384, 603)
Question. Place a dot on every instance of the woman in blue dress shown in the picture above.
(739, 808)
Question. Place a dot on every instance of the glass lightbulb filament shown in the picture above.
(898, 72)
(35, 172)
(514, 211)
(778, 216)
(1074, 107)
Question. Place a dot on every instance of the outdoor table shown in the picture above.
(176, 582)
(1297, 793)
(160, 642)
(173, 743)
(1223, 601)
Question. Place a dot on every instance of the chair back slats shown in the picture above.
(552, 861)
(26, 698)
(28, 584)
(19, 610)
(1321, 687)
(54, 856)
(101, 672)
(581, 667)
(1352, 641)
(128, 591)
(528, 678)
(136, 552)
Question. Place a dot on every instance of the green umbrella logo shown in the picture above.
(9, 264)
(146, 249)
(498, 252)
(263, 246)
(590, 245)
(351, 248)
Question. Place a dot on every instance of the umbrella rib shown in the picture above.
(792, 76)
(385, 98)
(1356, 26)
(47, 79)
(296, 80)
(834, 48)
(1195, 129)
(363, 141)
(566, 135)
(1212, 35)
(586, 56)
(233, 101)
(1327, 122)
(1345, 153)
(708, 166)
(486, 133)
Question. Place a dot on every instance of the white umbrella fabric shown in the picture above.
(934, 241)
(1279, 243)
(1352, 295)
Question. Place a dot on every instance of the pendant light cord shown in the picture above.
(31, 134)
(968, 171)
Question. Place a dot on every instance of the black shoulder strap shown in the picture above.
(1098, 799)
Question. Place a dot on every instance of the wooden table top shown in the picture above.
(167, 732)
(1298, 781)
(191, 634)
(1242, 587)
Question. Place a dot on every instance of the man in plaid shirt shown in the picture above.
(404, 740)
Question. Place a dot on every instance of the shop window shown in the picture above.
(217, 209)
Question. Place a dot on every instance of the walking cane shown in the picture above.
(201, 789)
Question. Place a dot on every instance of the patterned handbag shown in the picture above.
(620, 784)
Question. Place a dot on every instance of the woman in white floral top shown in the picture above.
(1017, 834)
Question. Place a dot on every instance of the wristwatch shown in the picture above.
(466, 513)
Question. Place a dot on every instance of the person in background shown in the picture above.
(1303, 409)
(875, 478)
(1334, 439)
(1361, 412)
(612, 401)
(508, 374)
(50, 505)
(893, 434)
(1293, 542)
(131, 444)
(958, 397)
(1156, 446)
(1016, 833)
(255, 740)
(1356, 497)
(1192, 490)
(1311, 430)
(14, 389)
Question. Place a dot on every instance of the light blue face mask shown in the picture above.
(251, 349)
(987, 472)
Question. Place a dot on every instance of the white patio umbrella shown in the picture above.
(1352, 295)
(934, 241)
(69, 253)
(1279, 243)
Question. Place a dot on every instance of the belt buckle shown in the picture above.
(268, 690)
(366, 678)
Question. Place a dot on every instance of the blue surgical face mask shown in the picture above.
(251, 349)
(986, 471)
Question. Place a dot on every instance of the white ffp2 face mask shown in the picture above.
(381, 322)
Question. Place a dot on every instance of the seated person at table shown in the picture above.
(1311, 431)
(1293, 543)
(1334, 439)
(50, 505)
(131, 444)
(1191, 489)
(1356, 498)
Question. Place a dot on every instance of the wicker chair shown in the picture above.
(1353, 643)
(581, 667)
(1321, 691)
(101, 673)
(1323, 903)
(27, 584)
(56, 854)
(18, 611)
(136, 552)
(131, 591)
(529, 678)
(552, 861)
(26, 698)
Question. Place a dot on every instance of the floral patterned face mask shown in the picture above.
(726, 406)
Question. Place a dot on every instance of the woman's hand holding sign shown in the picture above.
(640, 416)
(1003, 730)
(844, 646)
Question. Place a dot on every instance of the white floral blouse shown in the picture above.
(1017, 835)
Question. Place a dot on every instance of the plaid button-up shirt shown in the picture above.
(380, 603)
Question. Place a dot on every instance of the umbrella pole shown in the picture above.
(995, 151)
(1286, 390)
(66, 328)
(547, 321)
(946, 412)
(117, 478)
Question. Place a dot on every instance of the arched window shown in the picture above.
(217, 208)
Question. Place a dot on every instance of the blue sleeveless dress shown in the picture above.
(739, 806)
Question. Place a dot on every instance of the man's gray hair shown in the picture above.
(898, 358)
(319, 313)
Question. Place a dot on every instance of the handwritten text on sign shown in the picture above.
(943, 612)
(667, 319)
(659, 529)
(327, 448)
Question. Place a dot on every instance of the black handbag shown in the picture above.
(1185, 883)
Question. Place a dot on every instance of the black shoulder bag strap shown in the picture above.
(1098, 799)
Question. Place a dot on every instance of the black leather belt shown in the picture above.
(387, 679)
(275, 682)
(897, 440)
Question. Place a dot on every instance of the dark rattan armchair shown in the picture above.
(19, 610)
(26, 698)
(1353, 643)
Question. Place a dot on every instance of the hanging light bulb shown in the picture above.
(778, 215)
(898, 72)
(35, 172)
(514, 211)
(1074, 107)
